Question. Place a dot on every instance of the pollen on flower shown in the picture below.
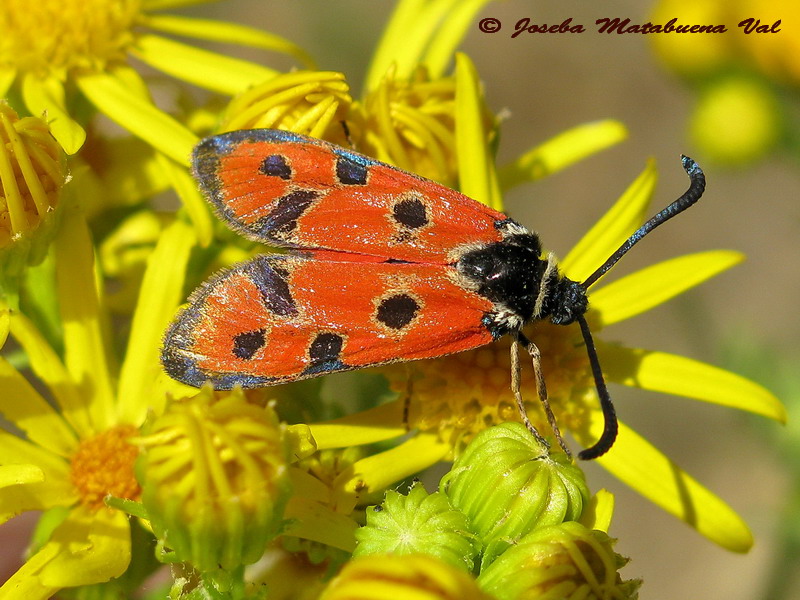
(462, 394)
(51, 37)
(103, 465)
(32, 172)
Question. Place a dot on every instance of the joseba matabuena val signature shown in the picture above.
(617, 25)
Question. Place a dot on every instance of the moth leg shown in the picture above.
(407, 399)
(541, 388)
(347, 136)
(515, 388)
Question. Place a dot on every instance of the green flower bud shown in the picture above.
(567, 562)
(419, 523)
(506, 491)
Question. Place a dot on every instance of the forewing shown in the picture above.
(292, 191)
(281, 318)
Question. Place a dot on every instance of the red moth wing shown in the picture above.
(292, 191)
(282, 318)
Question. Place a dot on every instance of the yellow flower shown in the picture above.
(559, 561)
(775, 54)
(77, 453)
(744, 101)
(51, 47)
(313, 103)
(214, 480)
(455, 397)
(388, 577)
(32, 177)
(410, 123)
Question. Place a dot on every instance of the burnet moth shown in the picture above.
(382, 266)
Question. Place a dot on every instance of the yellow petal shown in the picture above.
(599, 512)
(196, 207)
(231, 33)
(93, 547)
(11, 475)
(379, 471)
(25, 583)
(209, 70)
(5, 319)
(79, 303)
(150, 5)
(383, 422)
(405, 38)
(47, 366)
(637, 463)
(452, 31)
(54, 490)
(308, 486)
(672, 374)
(561, 151)
(639, 292)
(311, 520)
(477, 177)
(111, 94)
(46, 97)
(613, 228)
(160, 293)
(7, 77)
(131, 173)
(26, 409)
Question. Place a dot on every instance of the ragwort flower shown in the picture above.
(76, 454)
(214, 481)
(52, 49)
(389, 576)
(32, 175)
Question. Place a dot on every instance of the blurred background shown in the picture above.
(745, 320)
(735, 117)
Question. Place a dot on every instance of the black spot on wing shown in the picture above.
(397, 311)
(246, 344)
(180, 361)
(276, 166)
(282, 220)
(350, 172)
(410, 213)
(324, 354)
(325, 347)
(272, 280)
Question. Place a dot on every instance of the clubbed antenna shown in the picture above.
(692, 195)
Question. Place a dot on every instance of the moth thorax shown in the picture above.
(509, 273)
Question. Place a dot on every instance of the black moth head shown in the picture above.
(565, 301)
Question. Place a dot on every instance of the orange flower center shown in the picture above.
(103, 465)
